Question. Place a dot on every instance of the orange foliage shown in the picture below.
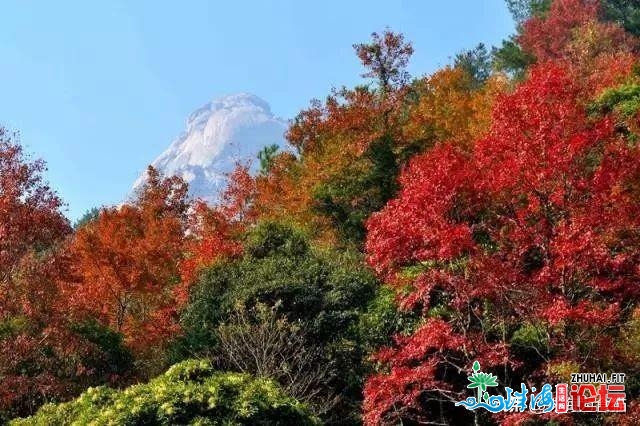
(448, 108)
(329, 138)
(284, 194)
(211, 239)
(126, 262)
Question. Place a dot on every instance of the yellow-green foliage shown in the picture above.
(630, 338)
(189, 393)
(624, 99)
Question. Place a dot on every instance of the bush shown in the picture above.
(188, 393)
(624, 99)
(383, 320)
(262, 343)
(116, 359)
(325, 292)
(322, 293)
(270, 238)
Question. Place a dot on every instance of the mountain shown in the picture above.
(218, 135)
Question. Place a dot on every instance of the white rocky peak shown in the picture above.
(218, 135)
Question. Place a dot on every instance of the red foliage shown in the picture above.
(403, 386)
(537, 227)
(29, 211)
(238, 197)
(430, 236)
(548, 37)
(212, 238)
(597, 54)
(40, 358)
(214, 231)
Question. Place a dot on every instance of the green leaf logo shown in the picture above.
(481, 381)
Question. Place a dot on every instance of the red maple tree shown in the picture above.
(524, 253)
(41, 358)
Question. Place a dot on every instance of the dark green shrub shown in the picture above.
(270, 239)
(322, 293)
(116, 358)
(326, 292)
(383, 320)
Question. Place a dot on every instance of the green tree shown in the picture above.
(383, 319)
(476, 63)
(386, 58)
(87, 217)
(322, 293)
(116, 358)
(521, 10)
(266, 156)
(510, 57)
(626, 13)
(362, 188)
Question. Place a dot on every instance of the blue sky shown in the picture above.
(98, 89)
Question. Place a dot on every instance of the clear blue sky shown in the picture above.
(99, 88)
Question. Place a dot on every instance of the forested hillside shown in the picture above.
(485, 213)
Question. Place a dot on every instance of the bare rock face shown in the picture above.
(218, 135)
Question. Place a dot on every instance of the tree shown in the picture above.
(511, 59)
(589, 35)
(547, 38)
(43, 356)
(266, 156)
(364, 184)
(386, 57)
(450, 108)
(87, 217)
(30, 212)
(625, 13)
(519, 255)
(215, 231)
(212, 238)
(322, 295)
(522, 10)
(264, 344)
(126, 262)
(476, 63)
(347, 151)
(360, 189)
(31, 222)
(280, 267)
